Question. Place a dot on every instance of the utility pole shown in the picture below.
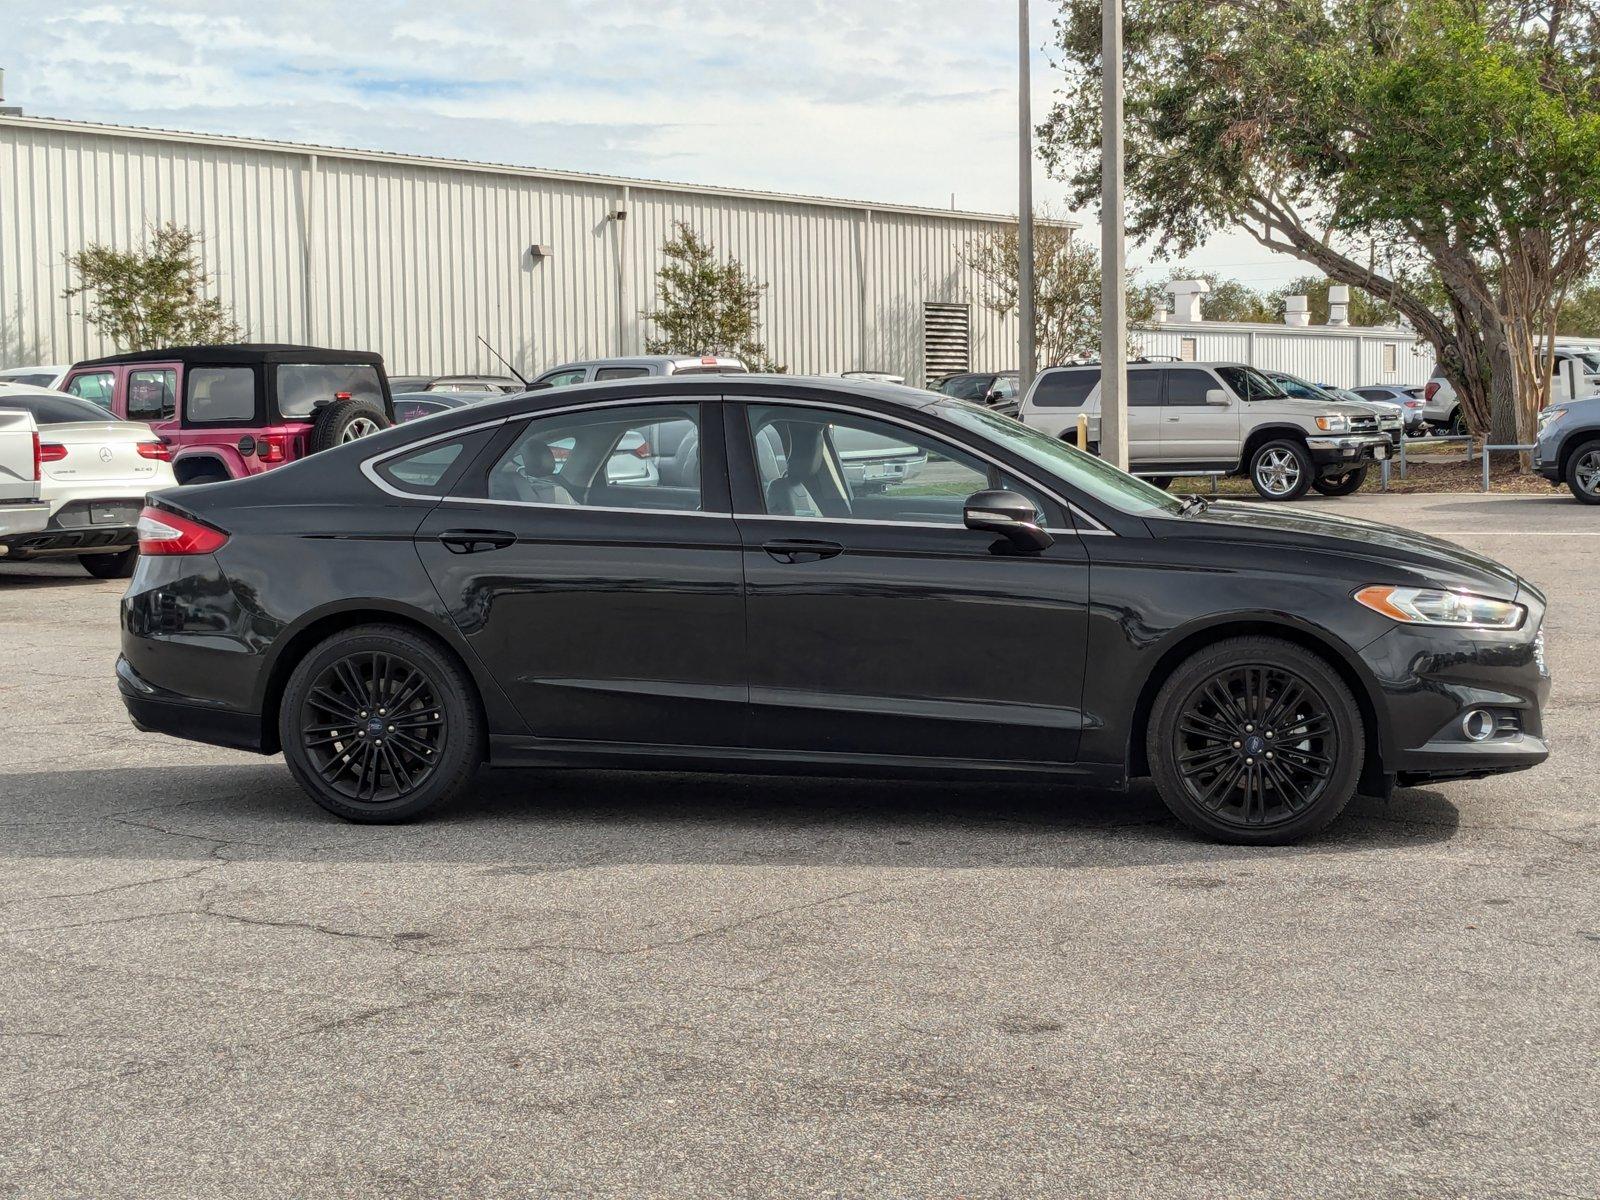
(1113, 300)
(1026, 355)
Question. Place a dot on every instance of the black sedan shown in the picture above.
(490, 585)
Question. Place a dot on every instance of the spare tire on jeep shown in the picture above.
(345, 421)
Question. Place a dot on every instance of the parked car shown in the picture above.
(41, 376)
(475, 383)
(1577, 376)
(21, 509)
(231, 411)
(997, 389)
(1391, 417)
(1568, 450)
(639, 366)
(1406, 396)
(95, 471)
(410, 406)
(1039, 615)
(878, 376)
(1218, 417)
(399, 384)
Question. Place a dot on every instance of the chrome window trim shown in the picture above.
(869, 521)
(779, 402)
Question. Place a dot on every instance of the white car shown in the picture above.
(40, 376)
(1577, 377)
(21, 510)
(95, 471)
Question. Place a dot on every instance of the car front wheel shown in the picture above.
(380, 724)
(1281, 470)
(1342, 485)
(1583, 472)
(1255, 740)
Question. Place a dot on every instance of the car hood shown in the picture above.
(1293, 406)
(1432, 560)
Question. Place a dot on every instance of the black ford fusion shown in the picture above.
(768, 573)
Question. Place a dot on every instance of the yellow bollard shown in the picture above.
(1083, 431)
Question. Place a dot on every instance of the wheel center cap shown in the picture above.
(1255, 745)
(375, 728)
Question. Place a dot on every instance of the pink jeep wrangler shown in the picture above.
(230, 411)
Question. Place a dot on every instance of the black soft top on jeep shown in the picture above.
(244, 354)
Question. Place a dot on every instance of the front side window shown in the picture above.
(598, 458)
(152, 395)
(303, 386)
(97, 386)
(221, 394)
(1188, 386)
(817, 463)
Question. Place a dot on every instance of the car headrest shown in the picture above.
(540, 460)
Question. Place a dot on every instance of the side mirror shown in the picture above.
(1012, 516)
(1217, 396)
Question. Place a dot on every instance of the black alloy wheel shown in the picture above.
(1255, 740)
(1342, 485)
(380, 724)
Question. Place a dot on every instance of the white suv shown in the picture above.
(1217, 417)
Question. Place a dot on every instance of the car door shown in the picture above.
(878, 624)
(608, 609)
(1194, 431)
(1145, 429)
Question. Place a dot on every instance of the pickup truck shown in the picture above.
(21, 510)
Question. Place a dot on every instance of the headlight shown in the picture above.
(1435, 606)
(1333, 424)
(1549, 417)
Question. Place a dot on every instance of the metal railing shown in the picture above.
(1435, 440)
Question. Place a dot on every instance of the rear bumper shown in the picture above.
(154, 710)
(73, 530)
(22, 517)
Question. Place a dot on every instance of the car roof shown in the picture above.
(33, 370)
(239, 354)
(448, 399)
(649, 360)
(652, 387)
(466, 378)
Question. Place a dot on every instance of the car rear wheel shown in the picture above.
(1342, 485)
(1281, 470)
(1164, 482)
(111, 566)
(380, 724)
(1458, 424)
(1583, 472)
(1255, 740)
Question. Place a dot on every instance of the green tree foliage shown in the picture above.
(1423, 150)
(704, 306)
(1580, 312)
(152, 296)
(1066, 287)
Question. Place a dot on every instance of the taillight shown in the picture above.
(38, 459)
(272, 447)
(1431, 390)
(163, 532)
(341, 395)
(642, 450)
(51, 452)
(159, 451)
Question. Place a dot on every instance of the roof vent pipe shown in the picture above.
(1186, 294)
(1296, 311)
(1338, 305)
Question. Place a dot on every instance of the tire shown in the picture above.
(1195, 757)
(345, 421)
(1281, 470)
(209, 475)
(1164, 482)
(351, 772)
(1342, 485)
(111, 566)
(1583, 468)
(1458, 424)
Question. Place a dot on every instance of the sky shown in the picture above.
(903, 102)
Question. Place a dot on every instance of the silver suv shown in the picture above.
(1224, 417)
(597, 370)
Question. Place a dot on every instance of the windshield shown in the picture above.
(1250, 384)
(966, 387)
(1059, 460)
(1299, 388)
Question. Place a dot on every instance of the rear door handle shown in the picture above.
(801, 550)
(471, 541)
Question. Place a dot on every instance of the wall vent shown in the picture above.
(946, 340)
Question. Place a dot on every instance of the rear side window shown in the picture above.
(221, 394)
(152, 395)
(1064, 389)
(1144, 389)
(620, 372)
(98, 386)
(302, 386)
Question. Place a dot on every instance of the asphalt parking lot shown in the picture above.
(601, 984)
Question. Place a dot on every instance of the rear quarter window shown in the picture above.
(1064, 389)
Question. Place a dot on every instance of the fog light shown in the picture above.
(1478, 725)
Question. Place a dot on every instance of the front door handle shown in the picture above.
(801, 550)
(471, 541)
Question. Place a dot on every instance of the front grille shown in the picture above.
(1364, 424)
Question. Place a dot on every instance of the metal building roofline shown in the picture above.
(142, 133)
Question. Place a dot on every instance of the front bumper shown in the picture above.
(1429, 678)
(1348, 450)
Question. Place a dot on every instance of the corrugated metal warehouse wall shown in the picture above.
(1348, 356)
(415, 258)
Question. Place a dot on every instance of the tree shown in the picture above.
(1364, 309)
(705, 306)
(1580, 312)
(1443, 155)
(153, 296)
(1066, 287)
